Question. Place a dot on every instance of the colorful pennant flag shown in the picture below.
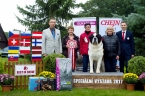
(36, 57)
(13, 49)
(36, 50)
(37, 35)
(25, 42)
(26, 34)
(24, 50)
(13, 57)
(14, 34)
(13, 42)
(36, 42)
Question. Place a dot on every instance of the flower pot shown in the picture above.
(130, 86)
(6, 88)
(144, 87)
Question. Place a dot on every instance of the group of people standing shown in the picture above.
(119, 46)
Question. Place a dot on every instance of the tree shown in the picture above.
(36, 17)
(136, 23)
(104, 8)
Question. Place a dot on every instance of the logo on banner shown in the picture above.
(80, 23)
(111, 22)
(25, 67)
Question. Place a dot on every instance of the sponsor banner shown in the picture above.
(21, 70)
(78, 24)
(104, 22)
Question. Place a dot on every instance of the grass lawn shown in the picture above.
(76, 92)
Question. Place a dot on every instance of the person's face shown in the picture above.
(123, 26)
(88, 28)
(70, 31)
(52, 23)
(109, 31)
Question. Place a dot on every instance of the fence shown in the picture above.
(21, 82)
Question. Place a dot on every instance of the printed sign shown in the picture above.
(78, 24)
(104, 22)
(21, 70)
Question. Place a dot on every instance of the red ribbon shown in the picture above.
(71, 51)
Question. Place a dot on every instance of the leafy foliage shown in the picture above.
(50, 61)
(2, 64)
(136, 65)
(142, 78)
(104, 8)
(130, 78)
(28, 57)
(6, 79)
(36, 16)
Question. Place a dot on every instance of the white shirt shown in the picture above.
(124, 33)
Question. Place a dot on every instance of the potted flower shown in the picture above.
(47, 74)
(130, 79)
(142, 79)
(48, 81)
(6, 82)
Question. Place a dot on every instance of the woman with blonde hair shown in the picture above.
(111, 47)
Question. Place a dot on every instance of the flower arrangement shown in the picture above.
(130, 78)
(6, 79)
(142, 78)
(47, 74)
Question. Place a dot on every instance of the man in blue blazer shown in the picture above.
(127, 46)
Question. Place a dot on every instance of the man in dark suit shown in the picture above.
(127, 46)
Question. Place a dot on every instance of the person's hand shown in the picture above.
(132, 56)
(67, 46)
(81, 56)
(117, 57)
(44, 54)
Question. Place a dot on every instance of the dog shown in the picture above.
(96, 52)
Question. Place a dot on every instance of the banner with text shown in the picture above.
(104, 22)
(78, 24)
(21, 70)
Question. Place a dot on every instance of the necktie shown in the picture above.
(123, 35)
(53, 33)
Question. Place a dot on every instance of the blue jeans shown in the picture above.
(110, 64)
(85, 63)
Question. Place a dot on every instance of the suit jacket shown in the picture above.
(127, 45)
(49, 44)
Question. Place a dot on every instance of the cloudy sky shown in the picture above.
(8, 11)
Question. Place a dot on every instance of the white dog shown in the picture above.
(96, 52)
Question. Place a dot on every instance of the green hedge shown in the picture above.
(136, 65)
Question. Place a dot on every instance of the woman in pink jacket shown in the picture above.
(84, 43)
